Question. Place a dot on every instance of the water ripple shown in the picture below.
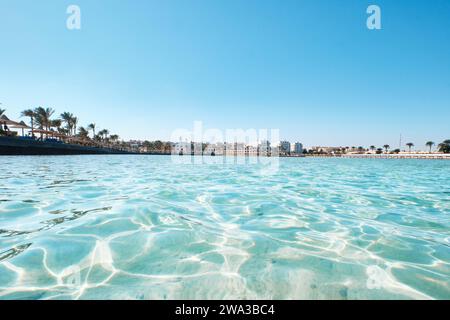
(138, 227)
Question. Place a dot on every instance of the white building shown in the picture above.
(182, 148)
(214, 149)
(251, 150)
(264, 148)
(285, 147)
(327, 150)
(187, 148)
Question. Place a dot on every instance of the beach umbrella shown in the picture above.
(5, 120)
(59, 135)
(42, 131)
(20, 125)
(10, 123)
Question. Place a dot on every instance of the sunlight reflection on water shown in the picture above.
(143, 227)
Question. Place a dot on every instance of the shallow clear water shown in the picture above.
(144, 227)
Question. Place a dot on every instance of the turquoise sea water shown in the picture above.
(145, 227)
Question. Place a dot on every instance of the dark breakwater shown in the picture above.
(23, 146)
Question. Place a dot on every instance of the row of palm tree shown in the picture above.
(41, 118)
(442, 147)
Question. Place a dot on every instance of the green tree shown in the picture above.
(74, 124)
(83, 133)
(103, 134)
(56, 124)
(92, 127)
(67, 118)
(43, 117)
(29, 113)
(430, 144)
(444, 146)
(63, 131)
(114, 138)
(159, 145)
(410, 145)
(386, 147)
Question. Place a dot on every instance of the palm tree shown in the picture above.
(103, 133)
(114, 137)
(67, 118)
(410, 145)
(39, 116)
(386, 147)
(56, 124)
(430, 144)
(373, 148)
(43, 116)
(75, 123)
(445, 146)
(63, 131)
(48, 114)
(83, 133)
(92, 127)
(29, 113)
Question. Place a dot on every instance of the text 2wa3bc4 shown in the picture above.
(247, 309)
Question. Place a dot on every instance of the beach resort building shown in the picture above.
(251, 151)
(264, 148)
(326, 150)
(285, 147)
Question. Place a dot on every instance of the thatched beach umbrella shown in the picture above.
(20, 125)
(5, 120)
(46, 132)
(59, 135)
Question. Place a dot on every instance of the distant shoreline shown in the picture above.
(384, 157)
(17, 147)
(431, 156)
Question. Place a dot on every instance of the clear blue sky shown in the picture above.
(311, 68)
